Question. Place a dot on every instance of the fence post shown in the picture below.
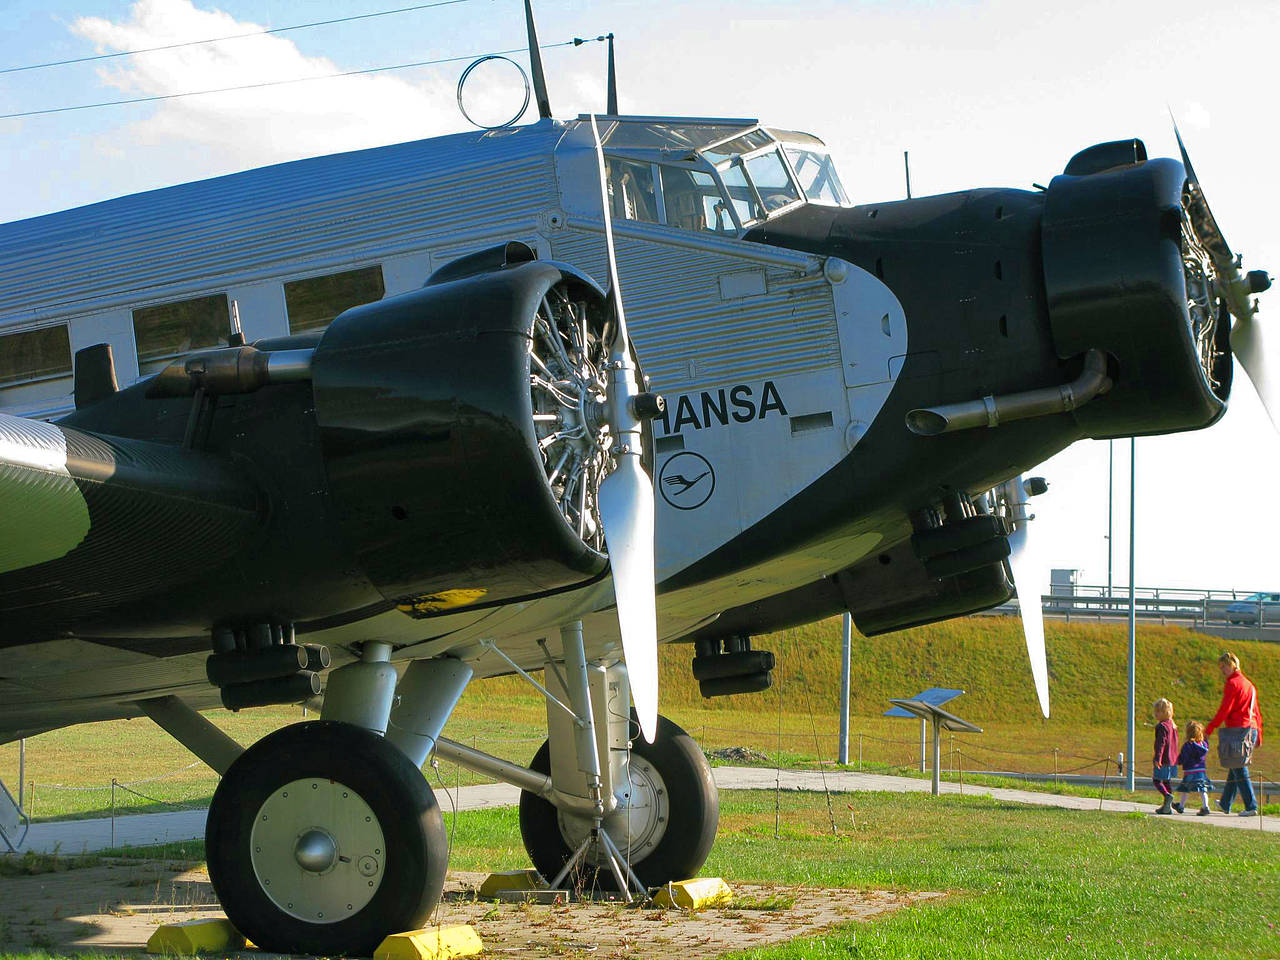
(113, 812)
(859, 751)
(1055, 766)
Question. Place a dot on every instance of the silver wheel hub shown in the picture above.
(317, 850)
(638, 824)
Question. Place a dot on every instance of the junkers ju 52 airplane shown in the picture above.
(457, 479)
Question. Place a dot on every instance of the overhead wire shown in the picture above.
(234, 36)
(275, 83)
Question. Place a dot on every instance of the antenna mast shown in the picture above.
(611, 107)
(535, 65)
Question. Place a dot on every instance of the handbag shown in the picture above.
(1165, 773)
(1235, 747)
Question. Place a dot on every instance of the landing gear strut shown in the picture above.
(664, 824)
(623, 814)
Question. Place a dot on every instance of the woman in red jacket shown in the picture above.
(1240, 718)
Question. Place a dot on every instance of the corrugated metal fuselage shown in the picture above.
(753, 346)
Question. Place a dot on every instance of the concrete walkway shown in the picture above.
(86, 836)
(70, 837)
(842, 781)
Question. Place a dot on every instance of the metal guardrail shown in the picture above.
(1206, 608)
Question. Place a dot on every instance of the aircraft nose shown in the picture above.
(1125, 274)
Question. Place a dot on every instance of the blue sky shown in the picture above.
(997, 93)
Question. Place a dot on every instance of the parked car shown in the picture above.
(1248, 609)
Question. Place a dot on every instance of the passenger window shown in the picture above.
(172, 329)
(315, 302)
(35, 355)
(631, 194)
(693, 201)
(772, 181)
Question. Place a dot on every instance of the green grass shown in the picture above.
(30, 863)
(1024, 882)
(1021, 881)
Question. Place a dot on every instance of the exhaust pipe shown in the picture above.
(991, 411)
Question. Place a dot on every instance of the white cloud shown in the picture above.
(237, 129)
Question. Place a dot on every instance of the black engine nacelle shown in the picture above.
(436, 480)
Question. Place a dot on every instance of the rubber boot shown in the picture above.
(1167, 806)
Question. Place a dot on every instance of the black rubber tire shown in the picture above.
(694, 808)
(400, 797)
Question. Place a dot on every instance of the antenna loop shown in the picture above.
(462, 80)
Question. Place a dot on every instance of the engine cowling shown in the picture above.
(463, 432)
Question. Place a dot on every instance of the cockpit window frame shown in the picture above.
(697, 158)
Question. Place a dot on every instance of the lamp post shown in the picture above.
(847, 649)
(1133, 617)
(1111, 464)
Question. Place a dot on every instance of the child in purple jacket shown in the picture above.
(1164, 760)
(1195, 778)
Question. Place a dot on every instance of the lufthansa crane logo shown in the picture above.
(687, 481)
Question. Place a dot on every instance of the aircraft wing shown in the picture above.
(92, 524)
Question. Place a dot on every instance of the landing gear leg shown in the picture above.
(657, 810)
(324, 837)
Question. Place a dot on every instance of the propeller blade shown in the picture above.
(1262, 363)
(626, 511)
(626, 502)
(1032, 582)
(1248, 341)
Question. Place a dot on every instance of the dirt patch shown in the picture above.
(738, 755)
(117, 905)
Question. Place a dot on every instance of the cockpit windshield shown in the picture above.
(718, 176)
(813, 166)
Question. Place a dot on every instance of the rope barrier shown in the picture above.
(166, 803)
(1263, 784)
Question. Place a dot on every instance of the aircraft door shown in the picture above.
(873, 340)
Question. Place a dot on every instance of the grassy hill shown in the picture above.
(986, 657)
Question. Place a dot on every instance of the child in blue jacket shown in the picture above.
(1195, 778)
